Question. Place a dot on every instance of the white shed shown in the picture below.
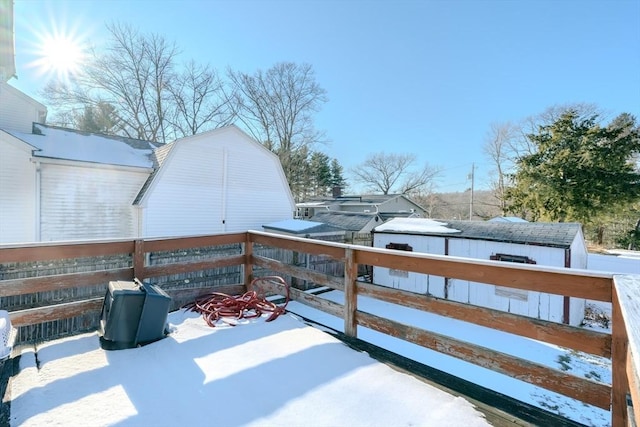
(218, 181)
(548, 244)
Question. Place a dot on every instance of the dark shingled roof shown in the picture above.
(559, 235)
(159, 155)
(350, 221)
(301, 227)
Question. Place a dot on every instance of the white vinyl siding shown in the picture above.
(17, 110)
(88, 202)
(17, 192)
(219, 181)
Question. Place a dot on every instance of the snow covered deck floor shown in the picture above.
(281, 373)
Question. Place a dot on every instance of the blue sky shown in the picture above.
(425, 77)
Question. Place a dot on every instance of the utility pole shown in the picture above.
(471, 176)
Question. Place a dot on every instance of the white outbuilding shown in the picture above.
(214, 182)
(548, 244)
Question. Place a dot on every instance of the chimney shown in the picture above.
(337, 191)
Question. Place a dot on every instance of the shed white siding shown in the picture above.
(17, 110)
(218, 181)
(528, 303)
(17, 191)
(88, 202)
(408, 280)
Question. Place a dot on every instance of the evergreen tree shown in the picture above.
(579, 170)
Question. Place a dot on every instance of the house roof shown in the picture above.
(560, 235)
(301, 227)
(349, 221)
(364, 200)
(507, 219)
(67, 144)
(159, 155)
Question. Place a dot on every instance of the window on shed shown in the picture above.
(517, 294)
(399, 247)
(512, 258)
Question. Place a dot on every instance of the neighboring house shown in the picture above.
(217, 181)
(547, 244)
(18, 111)
(350, 222)
(61, 184)
(304, 228)
(7, 51)
(389, 205)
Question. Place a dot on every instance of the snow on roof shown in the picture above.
(68, 144)
(300, 226)
(507, 219)
(416, 225)
(293, 224)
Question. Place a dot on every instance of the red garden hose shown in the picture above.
(220, 306)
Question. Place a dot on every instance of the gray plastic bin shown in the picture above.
(133, 314)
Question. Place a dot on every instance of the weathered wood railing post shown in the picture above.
(248, 263)
(625, 361)
(350, 293)
(138, 259)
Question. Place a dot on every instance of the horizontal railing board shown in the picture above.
(191, 266)
(29, 285)
(588, 391)
(49, 313)
(533, 278)
(157, 245)
(316, 247)
(305, 298)
(299, 272)
(592, 342)
(58, 251)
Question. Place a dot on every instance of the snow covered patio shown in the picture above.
(280, 373)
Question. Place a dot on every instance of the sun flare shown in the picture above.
(60, 56)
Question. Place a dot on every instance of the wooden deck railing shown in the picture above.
(622, 346)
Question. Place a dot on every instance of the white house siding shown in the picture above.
(89, 202)
(17, 189)
(17, 110)
(219, 181)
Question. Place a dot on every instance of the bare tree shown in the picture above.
(276, 107)
(498, 147)
(139, 76)
(200, 100)
(386, 173)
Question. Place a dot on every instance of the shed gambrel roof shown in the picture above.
(349, 221)
(559, 235)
